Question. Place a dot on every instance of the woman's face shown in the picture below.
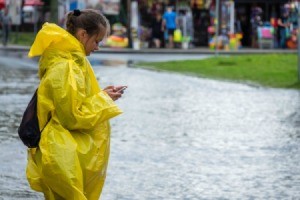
(91, 43)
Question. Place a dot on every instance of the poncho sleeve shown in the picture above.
(73, 107)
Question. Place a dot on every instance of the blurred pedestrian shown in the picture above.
(170, 22)
(256, 21)
(157, 36)
(283, 28)
(6, 22)
(73, 111)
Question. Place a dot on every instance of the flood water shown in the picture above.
(180, 137)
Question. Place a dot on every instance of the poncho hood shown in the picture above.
(54, 37)
(54, 44)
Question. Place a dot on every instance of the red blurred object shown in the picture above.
(33, 3)
(211, 29)
(2, 4)
(274, 22)
(292, 42)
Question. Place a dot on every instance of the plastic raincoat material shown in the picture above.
(72, 157)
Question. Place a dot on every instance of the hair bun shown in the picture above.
(76, 12)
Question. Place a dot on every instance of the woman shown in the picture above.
(157, 31)
(73, 111)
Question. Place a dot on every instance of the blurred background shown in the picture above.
(142, 24)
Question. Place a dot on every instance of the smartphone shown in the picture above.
(122, 89)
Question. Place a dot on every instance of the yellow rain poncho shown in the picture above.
(73, 152)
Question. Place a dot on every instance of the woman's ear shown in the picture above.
(81, 35)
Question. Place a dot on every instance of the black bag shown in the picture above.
(29, 130)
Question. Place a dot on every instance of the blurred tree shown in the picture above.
(54, 11)
(51, 6)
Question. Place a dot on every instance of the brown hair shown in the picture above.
(88, 19)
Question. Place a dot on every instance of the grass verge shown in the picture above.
(21, 38)
(271, 70)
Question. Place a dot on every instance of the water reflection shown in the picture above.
(179, 137)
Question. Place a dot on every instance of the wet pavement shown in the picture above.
(180, 137)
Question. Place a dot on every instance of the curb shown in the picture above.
(194, 51)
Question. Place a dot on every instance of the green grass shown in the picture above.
(271, 70)
(21, 38)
